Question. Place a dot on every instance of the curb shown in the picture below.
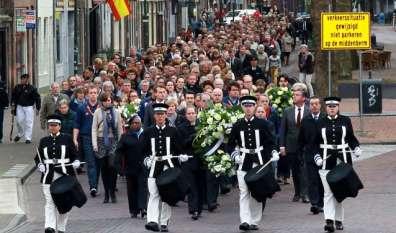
(19, 218)
(15, 221)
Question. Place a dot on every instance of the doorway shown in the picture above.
(3, 60)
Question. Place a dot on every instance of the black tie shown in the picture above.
(298, 123)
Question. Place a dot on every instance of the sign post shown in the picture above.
(347, 31)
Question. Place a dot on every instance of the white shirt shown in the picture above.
(315, 116)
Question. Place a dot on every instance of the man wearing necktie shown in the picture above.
(288, 135)
(306, 139)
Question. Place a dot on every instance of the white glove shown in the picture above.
(147, 162)
(275, 156)
(76, 164)
(183, 158)
(41, 167)
(236, 157)
(357, 152)
(318, 160)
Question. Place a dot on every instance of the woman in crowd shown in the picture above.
(173, 118)
(68, 117)
(106, 130)
(129, 150)
(78, 99)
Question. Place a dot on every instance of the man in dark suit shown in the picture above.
(254, 71)
(236, 66)
(243, 56)
(306, 141)
(160, 95)
(288, 140)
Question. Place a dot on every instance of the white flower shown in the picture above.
(290, 101)
(280, 92)
(217, 117)
(274, 105)
(217, 168)
(203, 144)
(210, 120)
(277, 101)
(270, 97)
(234, 119)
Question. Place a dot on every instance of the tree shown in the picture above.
(341, 61)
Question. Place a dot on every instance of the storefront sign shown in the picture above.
(20, 23)
(345, 30)
(30, 19)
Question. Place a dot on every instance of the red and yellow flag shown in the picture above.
(120, 8)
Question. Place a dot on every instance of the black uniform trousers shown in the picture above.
(137, 191)
(297, 165)
(315, 187)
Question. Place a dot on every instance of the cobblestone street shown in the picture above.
(372, 212)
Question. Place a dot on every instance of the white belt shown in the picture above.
(251, 151)
(334, 147)
(56, 161)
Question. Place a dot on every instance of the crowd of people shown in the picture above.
(169, 85)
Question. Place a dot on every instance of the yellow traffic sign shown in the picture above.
(345, 30)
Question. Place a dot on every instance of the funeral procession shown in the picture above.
(197, 116)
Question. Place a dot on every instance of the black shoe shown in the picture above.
(134, 215)
(339, 225)
(305, 200)
(279, 181)
(17, 138)
(113, 197)
(253, 227)
(314, 210)
(49, 229)
(61, 232)
(195, 215)
(143, 213)
(296, 198)
(164, 228)
(212, 208)
(329, 227)
(244, 226)
(152, 226)
(93, 192)
(28, 141)
(320, 209)
(106, 198)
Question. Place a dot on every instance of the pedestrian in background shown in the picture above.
(68, 117)
(83, 128)
(306, 68)
(130, 151)
(106, 130)
(24, 97)
(50, 103)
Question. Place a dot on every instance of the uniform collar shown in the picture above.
(56, 135)
(158, 127)
(251, 119)
(336, 116)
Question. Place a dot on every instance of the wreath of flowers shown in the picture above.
(213, 130)
(281, 98)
